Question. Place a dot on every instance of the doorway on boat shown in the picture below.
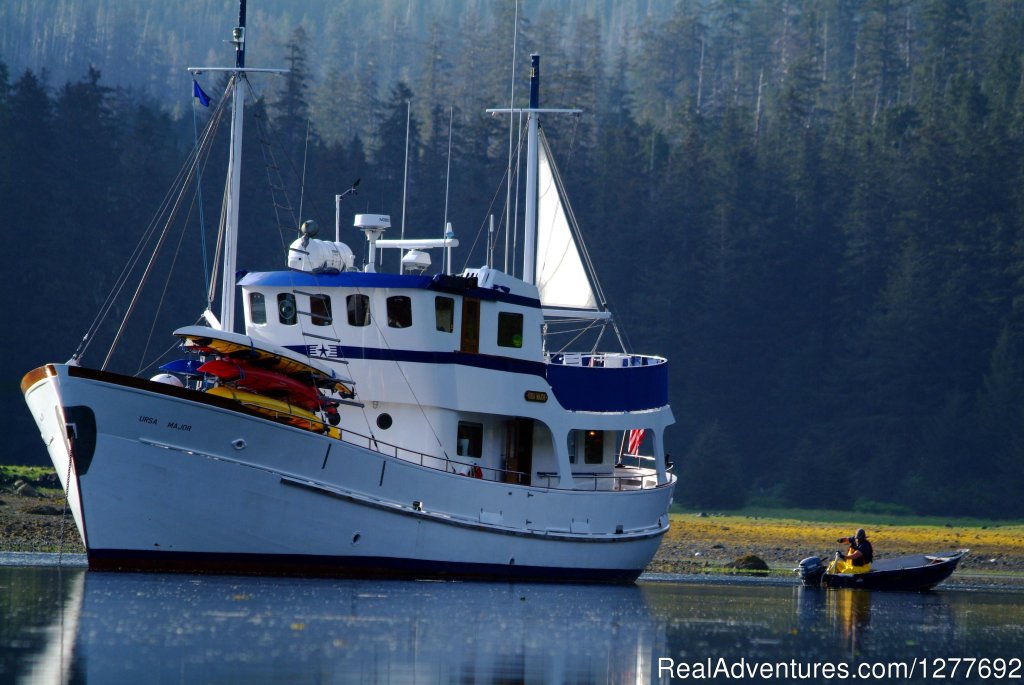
(470, 325)
(518, 450)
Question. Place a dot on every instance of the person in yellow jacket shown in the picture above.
(858, 557)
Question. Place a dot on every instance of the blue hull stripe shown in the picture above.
(332, 352)
(343, 567)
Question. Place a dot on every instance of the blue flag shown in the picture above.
(204, 99)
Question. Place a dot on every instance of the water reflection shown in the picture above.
(73, 626)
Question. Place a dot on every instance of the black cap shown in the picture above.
(861, 535)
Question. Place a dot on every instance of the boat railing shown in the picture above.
(625, 477)
(607, 381)
(442, 463)
(604, 360)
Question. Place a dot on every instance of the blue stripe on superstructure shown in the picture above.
(329, 352)
(577, 388)
(360, 279)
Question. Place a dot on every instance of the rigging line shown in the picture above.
(163, 294)
(221, 229)
(448, 169)
(515, 226)
(305, 158)
(160, 356)
(574, 226)
(199, 194)
(187, 166)
(446, 259)
(149, 267)
(511, 130)
(412, 390)
(136, 255)
(593, 350)
(291, 163)
(142, 282)
(578, 336)
(483, 224)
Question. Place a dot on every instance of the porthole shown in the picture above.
(384, 421)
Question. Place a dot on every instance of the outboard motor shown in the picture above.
(811, 569)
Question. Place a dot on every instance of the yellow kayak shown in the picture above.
(281, 410)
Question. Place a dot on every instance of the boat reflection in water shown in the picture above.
(130, 628)
(160, 628)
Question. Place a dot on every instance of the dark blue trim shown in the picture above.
(360, 279)
(329, 352)
(342, 566)
(586, 388)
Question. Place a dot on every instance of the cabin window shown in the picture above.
(470, 341)
(572, 447)
(257, 308)
(358, 310)
(320, 310)
(399, 311)
(286, 310)
(444, 314)
(593, 447)
(470, 441)
(510, 329)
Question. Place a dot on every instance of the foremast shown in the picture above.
(226, 321)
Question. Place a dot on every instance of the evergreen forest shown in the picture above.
(813, 208)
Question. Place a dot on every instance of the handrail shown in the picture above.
(639, 479)
(646, 478)
(422, 459)
(599, 360)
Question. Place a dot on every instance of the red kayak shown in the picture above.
(264, 382)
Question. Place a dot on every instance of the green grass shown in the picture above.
(857, 518)
(26, 473)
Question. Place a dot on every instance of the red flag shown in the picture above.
(635, 437)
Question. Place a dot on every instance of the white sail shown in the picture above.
(560, 274)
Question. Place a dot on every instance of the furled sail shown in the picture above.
(561, 275)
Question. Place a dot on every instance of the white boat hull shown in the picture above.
(173, 480)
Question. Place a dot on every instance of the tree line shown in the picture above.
(812, 207)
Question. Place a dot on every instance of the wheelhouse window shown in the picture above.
(320, 310)
(510, 329)
(399, 311)
(470, 441)
(593, 447)
(358, 307)
(286, 310)
(257, 308)
(444, 314)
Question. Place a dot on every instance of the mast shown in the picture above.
(530, 229)
(532, 146)
(227, 293)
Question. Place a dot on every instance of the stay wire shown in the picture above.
(149, 267)
(180, 182)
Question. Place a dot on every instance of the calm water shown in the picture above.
(70, 625)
